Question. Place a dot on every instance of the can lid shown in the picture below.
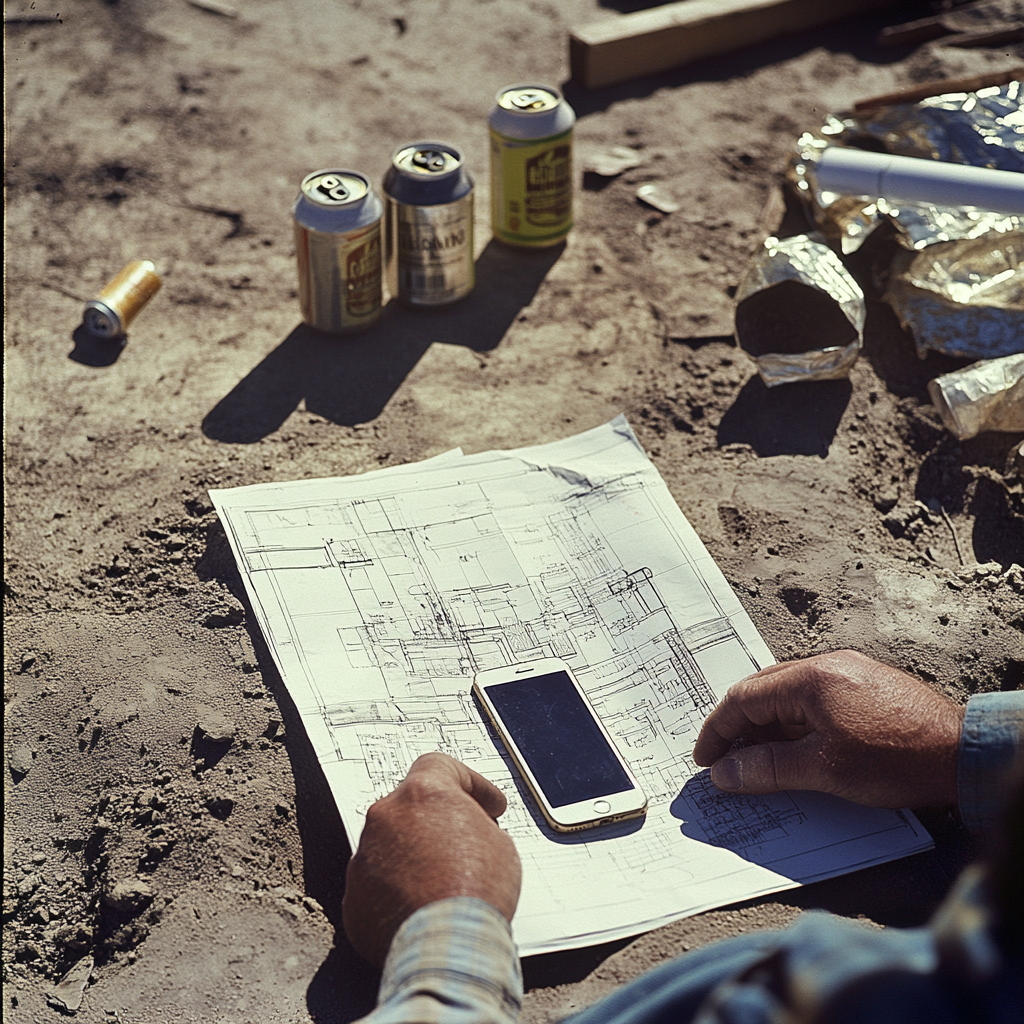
(428, 158)
(529, 99)
(335, 188)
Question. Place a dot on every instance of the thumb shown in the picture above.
(772, 767)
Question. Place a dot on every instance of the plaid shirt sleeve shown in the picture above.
(991, 744)
(452, 962)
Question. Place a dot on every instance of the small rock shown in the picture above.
(886, 502)
(229, 613)
(979, 572)
(68, 993)
(216, 728)
(20, 760)
(275, 730)
(38, 858)
(238, 871)
(29, 885)
(175, 542)
(311, 905)
(220, 806)
(129, 896)
(41, 915)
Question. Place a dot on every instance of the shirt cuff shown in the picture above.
(451, 962)
(991, 744)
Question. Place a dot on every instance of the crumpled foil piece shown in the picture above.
(983, 396)
(983, 128)
(807, 260)
(963, 298)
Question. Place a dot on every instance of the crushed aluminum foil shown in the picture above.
(962, 298)
(983, 128)
(983, 396)
(809, 261)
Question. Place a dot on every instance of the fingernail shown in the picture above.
(727, 773)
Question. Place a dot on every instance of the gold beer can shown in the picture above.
(121, 300)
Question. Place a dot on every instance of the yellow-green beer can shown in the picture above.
(531, 165)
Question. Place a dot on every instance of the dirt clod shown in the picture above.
(216, 728)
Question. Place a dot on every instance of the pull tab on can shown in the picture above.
(430, 160)
(334, 188)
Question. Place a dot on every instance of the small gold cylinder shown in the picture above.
(120, 301)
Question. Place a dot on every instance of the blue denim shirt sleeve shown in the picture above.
(452, 962)
(991, 744)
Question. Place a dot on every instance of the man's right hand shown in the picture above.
(435, 836)
(837, 723)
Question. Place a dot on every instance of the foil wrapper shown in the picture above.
(807, 260)
(984, 396)
(983, 128)
(963, 298)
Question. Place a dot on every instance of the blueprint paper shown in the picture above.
(380, 595)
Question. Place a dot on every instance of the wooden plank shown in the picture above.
(646, 42)
(919, 31)
(986, 37)
(943, 85)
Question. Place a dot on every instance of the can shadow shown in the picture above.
(350, 380)
(791, 419)
(92, 351)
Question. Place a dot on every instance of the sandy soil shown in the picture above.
(205, 877)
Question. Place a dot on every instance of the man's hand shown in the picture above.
(435, 836)
(837, 723)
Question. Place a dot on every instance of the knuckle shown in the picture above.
(424, 786)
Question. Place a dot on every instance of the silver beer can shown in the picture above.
(428, 247)
(338, 250)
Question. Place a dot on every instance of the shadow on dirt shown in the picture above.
(92, 351)
(344, 987)
(792, 419)
(854, 35)
(351, 380)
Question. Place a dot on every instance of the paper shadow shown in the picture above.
(92, 351)
(350, 380)
(790, 419)
(344, 988)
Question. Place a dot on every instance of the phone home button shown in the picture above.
(602, 806)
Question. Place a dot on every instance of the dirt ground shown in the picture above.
(205, 878)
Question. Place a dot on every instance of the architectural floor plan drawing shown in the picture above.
(381, 595)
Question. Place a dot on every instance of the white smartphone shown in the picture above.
(559, 745)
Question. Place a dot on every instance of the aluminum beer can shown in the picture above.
(428, 238)
(120, 301)
(338, 250)
(531, 165)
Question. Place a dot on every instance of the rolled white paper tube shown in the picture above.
(908, 179)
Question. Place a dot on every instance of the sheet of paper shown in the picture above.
(380, 596)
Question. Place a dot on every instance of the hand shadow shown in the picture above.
(350, 380)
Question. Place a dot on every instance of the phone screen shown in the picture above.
(559, 739)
